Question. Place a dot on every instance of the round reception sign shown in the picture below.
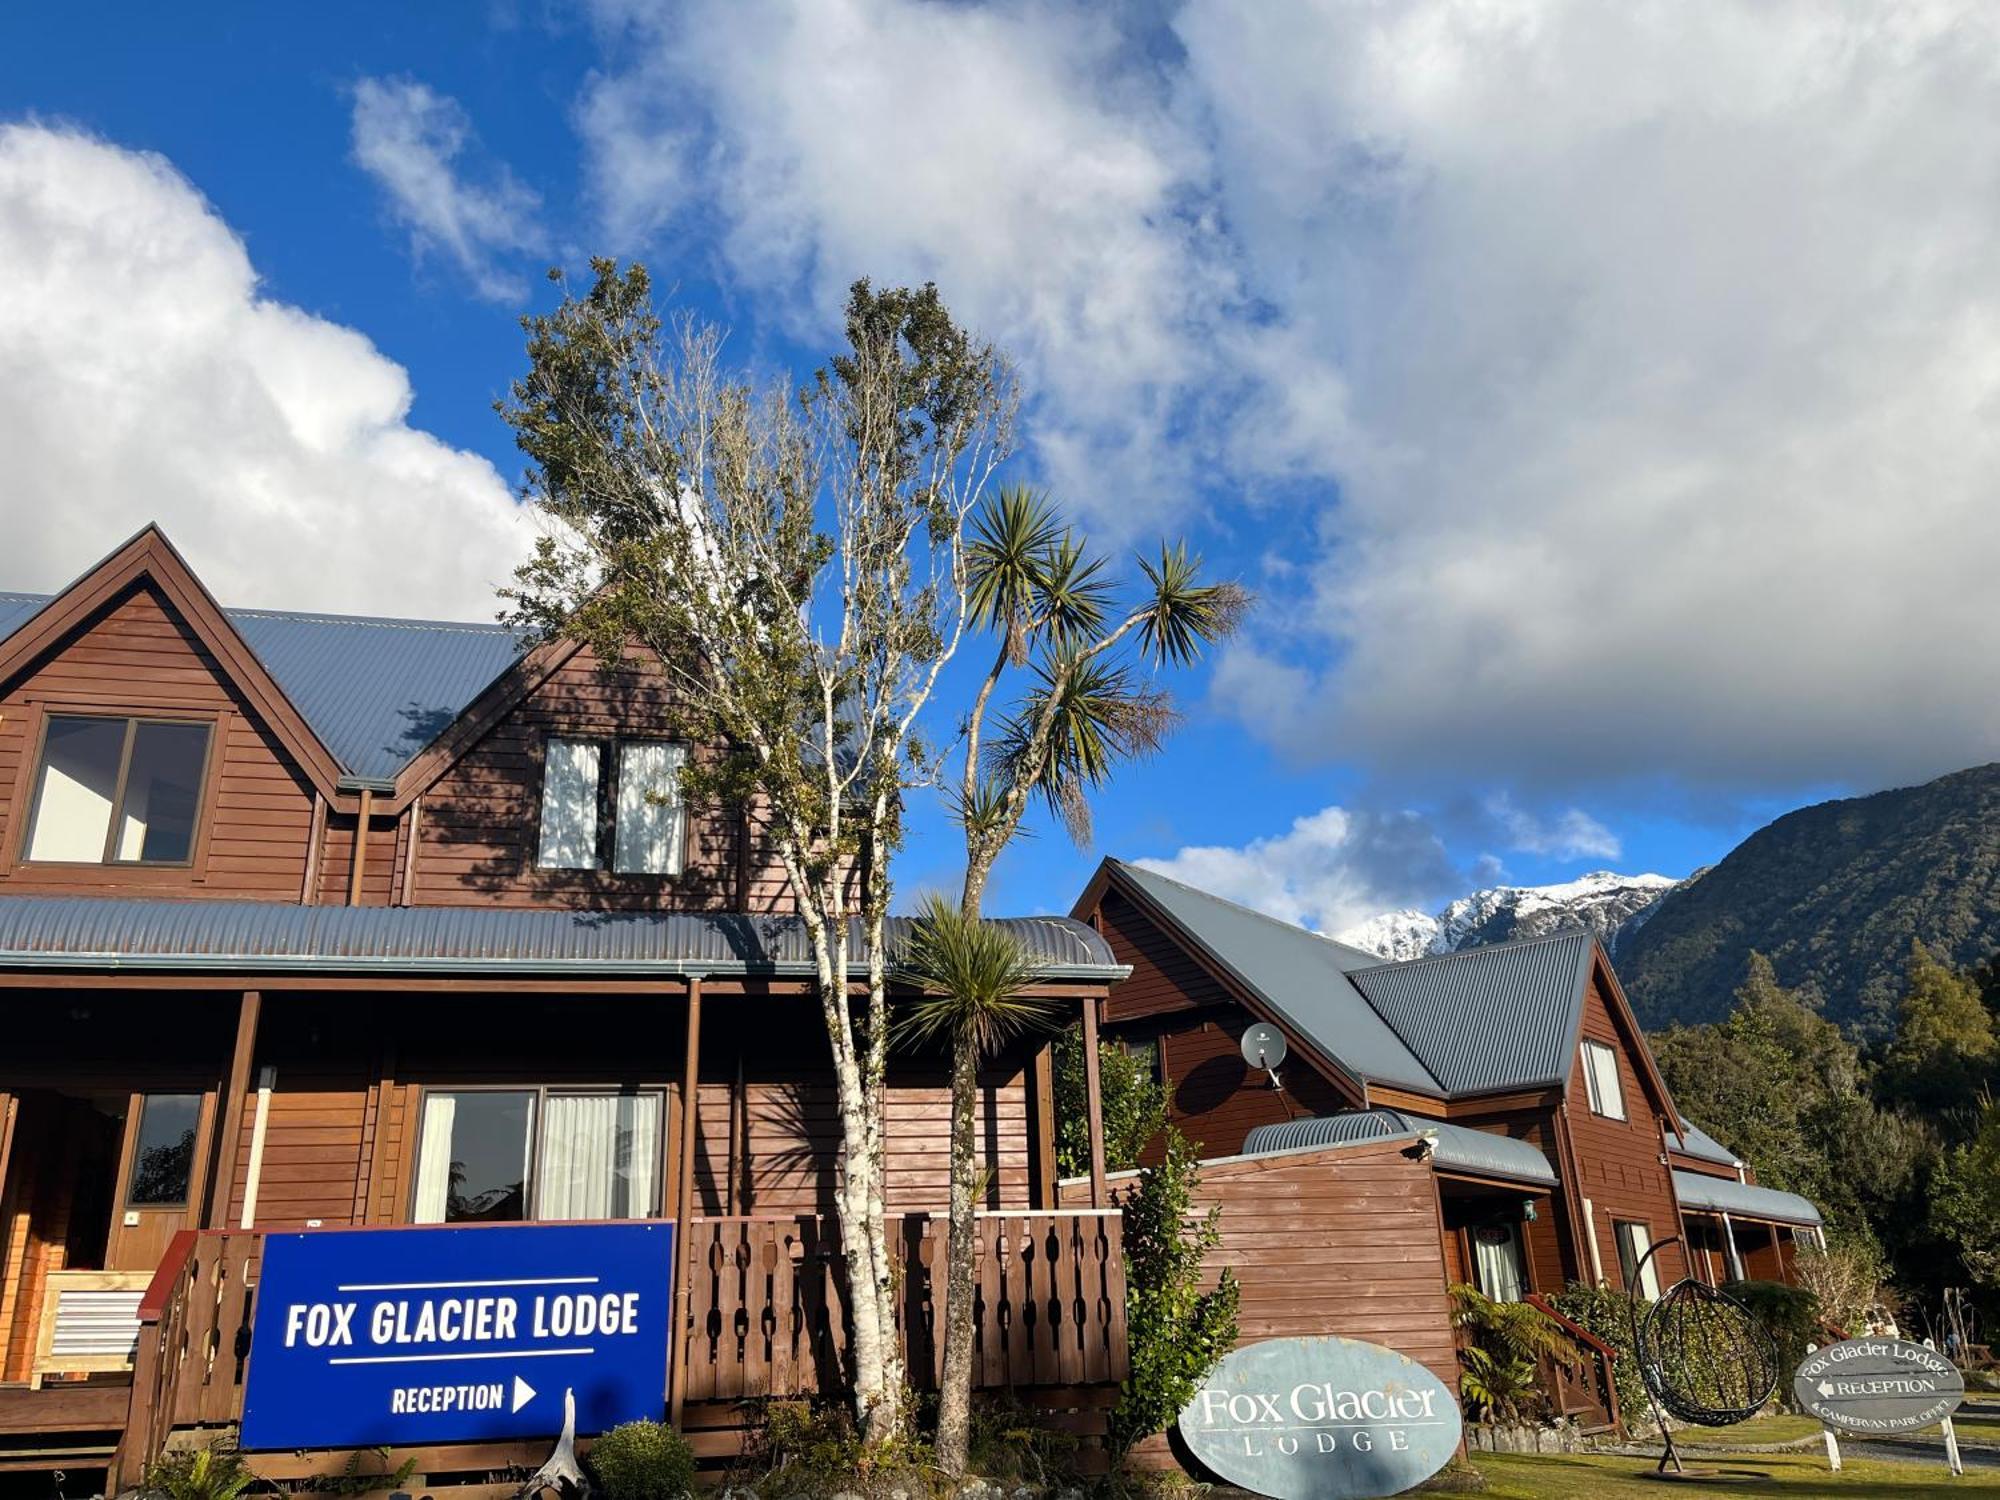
(1877, 1385)
(1322, 1419)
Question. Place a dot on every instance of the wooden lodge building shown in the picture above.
(310, 922)
(1556, 1150)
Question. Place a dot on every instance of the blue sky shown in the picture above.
(1598, 401)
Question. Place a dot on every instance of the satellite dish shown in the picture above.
(1263, 1046)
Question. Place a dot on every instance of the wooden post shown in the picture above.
(1093, 1103)
(360, 846)
(223, 1178)
(684, 1208)
(1043, 1076)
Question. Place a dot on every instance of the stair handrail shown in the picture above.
(1607, 1356)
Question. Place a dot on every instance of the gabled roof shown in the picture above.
(376, 691)
(1300, 976)
(65, 932)
(1692, 1140)
(1495, 1017)
(1479, 1021)
(1478, 1153)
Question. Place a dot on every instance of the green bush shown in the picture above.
(642, 1461)
(1606, 1313)
(216, 1472)
(1790, 1314)
(1175, 1330)
(809, 1448)
(1505, 1344)
(1135, 1105)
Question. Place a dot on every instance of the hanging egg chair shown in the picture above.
(1704, 1357)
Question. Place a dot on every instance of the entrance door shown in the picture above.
(162, 1172)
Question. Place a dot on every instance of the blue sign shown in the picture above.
(368, 1337)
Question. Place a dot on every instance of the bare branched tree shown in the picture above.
(797, 562)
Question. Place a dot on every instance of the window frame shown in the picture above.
(1593, 1089)
(137, 1128)
(23, 842)
(531, 1194)
(610, 772)
(1619, 1230)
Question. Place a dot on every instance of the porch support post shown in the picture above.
(223, 1178)
(1093, 1100)
(1729, 1249)
(684, 1208)
(361, 822)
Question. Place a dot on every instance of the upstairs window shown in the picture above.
(1600, 1081)
(123, 791)
(1634, 1240)
(630, 821)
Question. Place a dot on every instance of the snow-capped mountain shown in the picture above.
(1613, 906)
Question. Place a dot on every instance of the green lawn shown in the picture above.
(1520, 1476)
(1785, 1428)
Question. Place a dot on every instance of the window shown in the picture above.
(1600, 1079)
(504, 1155)
(117, 791)
(1497, 1262)
(163, 1155)
(645, 826)
(1634, 1240)
(1146, 1054)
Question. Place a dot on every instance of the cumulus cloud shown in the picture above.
(1328, 871)
(143, 378)
(414, 142)
(1633, 369)
(1570, 833)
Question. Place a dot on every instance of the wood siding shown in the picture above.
(137, 655)
(1214, 1096)
(1618, 1166)
(1165, 977)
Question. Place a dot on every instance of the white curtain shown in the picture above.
(649, 809)
(434, 1159)
(1498, 1256)
(600, 1156)
(569, 805)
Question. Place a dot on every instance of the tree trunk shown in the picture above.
(954, 1421)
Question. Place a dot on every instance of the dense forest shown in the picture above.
(1897, 1140)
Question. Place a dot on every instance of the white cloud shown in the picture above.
(1570, 833)
(142, 378)
(1639, 363)
(411, 139)
(1328, 871)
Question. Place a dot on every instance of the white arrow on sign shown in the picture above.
(523, 1393)
(1824, 1388)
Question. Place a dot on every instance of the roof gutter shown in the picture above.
(297, 963)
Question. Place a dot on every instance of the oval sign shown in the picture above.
(1875, 1385)
(1322, 1419)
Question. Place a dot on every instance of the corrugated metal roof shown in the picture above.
(239, 936)
(1504, 1016)
(1459, 1147)
(1301, 976)
(376, 691)
(1692, 1140)
(1727, 1195)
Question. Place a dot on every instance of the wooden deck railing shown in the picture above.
(765, 1316)
(1588, 1390)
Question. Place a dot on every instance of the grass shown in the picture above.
(1782, 1427)
(1522, 1476)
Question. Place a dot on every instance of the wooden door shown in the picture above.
(162, 1175)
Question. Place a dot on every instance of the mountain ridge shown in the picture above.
(1608, 903)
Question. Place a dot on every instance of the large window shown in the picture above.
(503, 1155)
(163, 1154)
(630, 821)
(117, 790)
(1600, 1080)
(1634, 1240)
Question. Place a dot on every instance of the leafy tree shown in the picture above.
(1132, 1100)
(1965, 1201)
(1944, 1049)
(1175, 1329)
(796, 562)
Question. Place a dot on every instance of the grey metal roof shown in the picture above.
(376, 691)
(1692, 1140)
(1502, 1016)
(64, 932)
(1727, 1195)
(1302, 977)
(1459, 1147)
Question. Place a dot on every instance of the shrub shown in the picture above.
(813, 1448)
(216, 1472)
(1175, 1330)
(642, 1461)
(1790, 1314)
(1135, 1105)
(1606, 1312)
(1501, 1378)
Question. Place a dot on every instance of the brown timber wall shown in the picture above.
(1215, 1098)
(138, 656)
(1618, 1164)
